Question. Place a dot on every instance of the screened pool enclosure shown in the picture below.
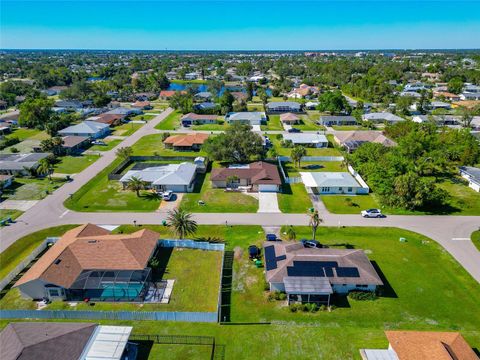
(108, 285)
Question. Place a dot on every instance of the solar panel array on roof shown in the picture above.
(320, 269)
(271, 258)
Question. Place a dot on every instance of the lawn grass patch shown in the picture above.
(31, 189)
(294, 199)
(143, 117)
(102, 194)
(283, 151)
(312, 166)
(464, 200)
(21, 248)
(350, 204)
(171, 122)
(217, 200)
(126, 129)
(24, 133)
(74, 164)
(9, 213)
(475, 237)
(110, 144)
(308, 124)
(273, 123)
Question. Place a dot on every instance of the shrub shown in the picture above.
(271, 297)
(14, 150)
(266, 286)
(348, 201)
(277, 295)
(362, 295)
(323, 307)
(293, 308)
(279, 136)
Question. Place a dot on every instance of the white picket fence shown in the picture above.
(191, 244)
(365, 188)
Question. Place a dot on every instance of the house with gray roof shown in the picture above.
(284, 107)
(472, 175)
(20, 164)
(64, 341)
(331, 183)
(174, 177)
(314, 274)
(124, 111)
(246, 117)
(89, 129)
(382, 117)
(337, 120)
(307, 139)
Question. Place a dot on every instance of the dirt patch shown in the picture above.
(237, 253)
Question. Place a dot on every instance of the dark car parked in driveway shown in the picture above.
(311, 243)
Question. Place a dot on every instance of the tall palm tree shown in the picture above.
(296, 155)
(45, 168)
(136, 184)
(315, 221)
(182, 223)
(291, 233)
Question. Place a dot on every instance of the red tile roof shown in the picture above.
(186, 140)
(259, 172)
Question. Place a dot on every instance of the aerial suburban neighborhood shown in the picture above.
(267, 204)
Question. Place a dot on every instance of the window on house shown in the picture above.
(54, 292)
(350, 189)
(325, 189)
(362, 286)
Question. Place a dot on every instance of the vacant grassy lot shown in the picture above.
(20, 249)
(415, 301)
(308, 124)
(153, 145)
(110, 144)
(126, 129)
(217, 200)
(176, 351)
(25, 133)
(294, 199)
(476, 239)
(348, 127)
(171, 122)
(102, 194)
(464, 200)
(7, 213)
(74, 164)
(143, 117)
(31, 189)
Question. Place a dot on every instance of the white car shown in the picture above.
(167, 195)
(372, 213)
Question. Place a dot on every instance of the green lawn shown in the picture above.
(21, 248)
(177, 351)
(273, 123)
(101, 194)
(25, 133)
(350, 204)
(181, 265)
(153, 145)
(445, 300)
(308, 124)
(143, 117)
(217, 200)
(464, 200)
(348, 127)
(110, 144)
(476, 239)
(31, 189)
(74, 164)
(313, 166)
(210, 127)
(12, 214)
(171, 122)
(126, 129)
(294, 199)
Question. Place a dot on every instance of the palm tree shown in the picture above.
(315, 221)
(182, 223)
(291, 233)
(136, 184)
(45, 168)
(124, 152)
(296, 155)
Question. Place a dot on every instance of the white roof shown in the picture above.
(85, 127)
(246, 116)
(380, 354)
(305, 138)
(171, 174)
(382, 116)
(328, 179)
(107, 343)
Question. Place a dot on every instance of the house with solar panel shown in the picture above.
(314, 274)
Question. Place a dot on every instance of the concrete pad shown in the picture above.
(22, 205)
(256, 128)
(268, 202)
(174, 203)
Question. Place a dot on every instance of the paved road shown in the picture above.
(452, 232)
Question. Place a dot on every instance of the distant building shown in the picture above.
(337, 120)
(351, 140)
(284, 107)
(20, 164)
(307, 139)
(198, 119)
(381, 117)
(289, 119)
(245, 117)
(185, 142)
(89, 129)
(331, 183)
(472, 175)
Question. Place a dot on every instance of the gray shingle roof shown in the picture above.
(85, 127)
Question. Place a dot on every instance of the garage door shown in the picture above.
(267, 188)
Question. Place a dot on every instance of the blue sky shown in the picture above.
(239, 25)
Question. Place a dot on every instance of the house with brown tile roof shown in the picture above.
(63, 341)
(289, 119)
(144, 105)
(257, 176)
(74, 144)
(185, 142)
(167, 94)
(87, 261)
(110, 119)
(351, 140)
(315, 273)
(422, 345)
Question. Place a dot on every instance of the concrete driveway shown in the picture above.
(268, 202)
